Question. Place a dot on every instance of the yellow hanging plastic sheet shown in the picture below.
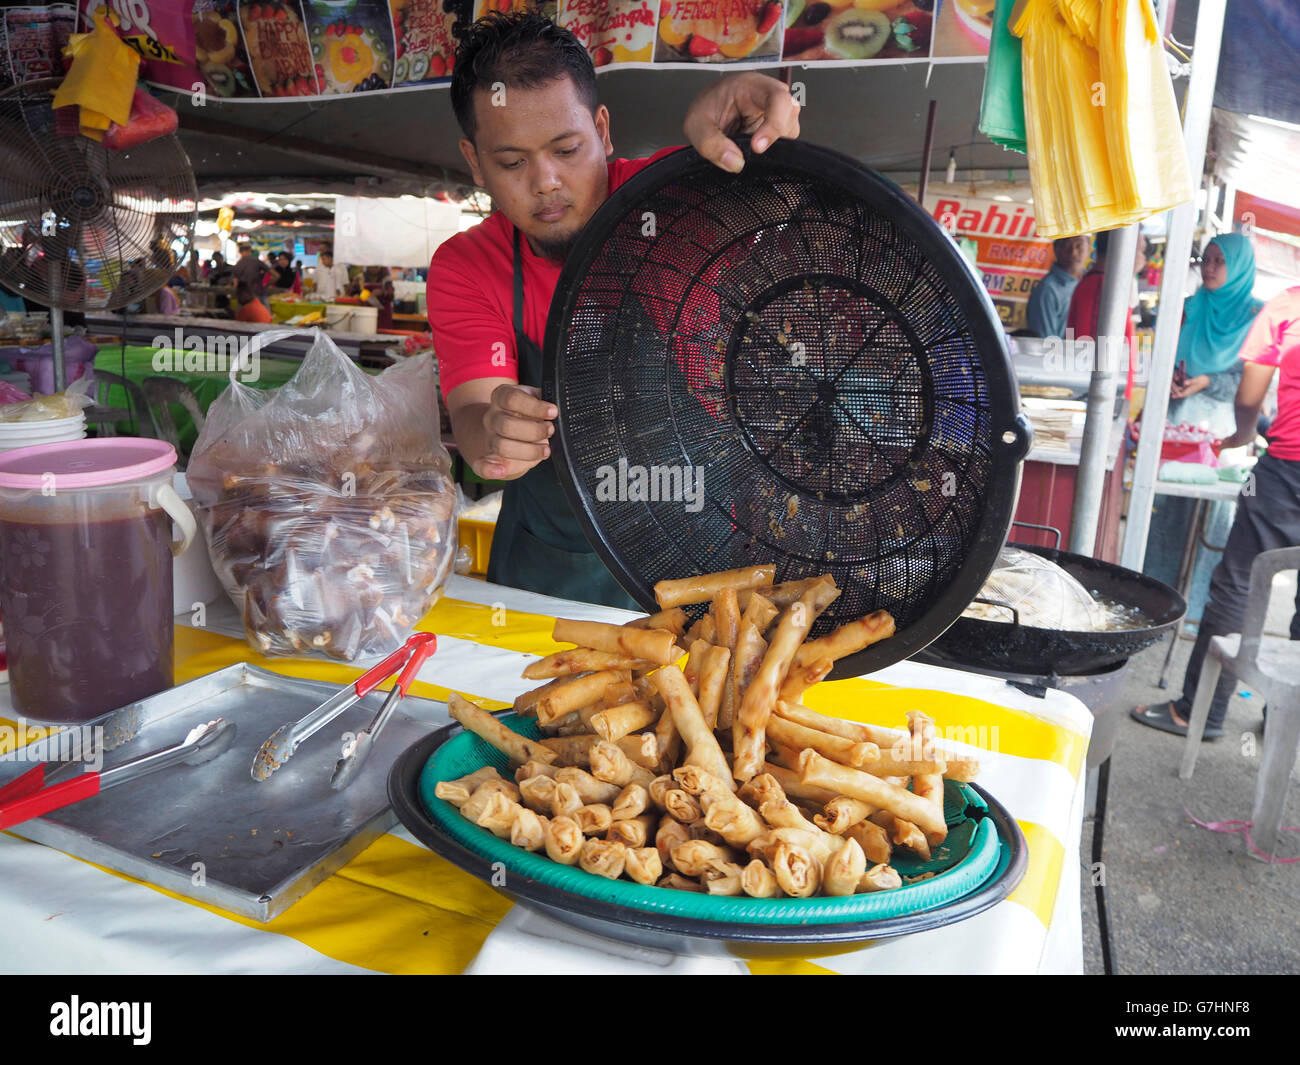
(1104, 142)
(102, 79)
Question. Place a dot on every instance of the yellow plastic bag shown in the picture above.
(102, 79)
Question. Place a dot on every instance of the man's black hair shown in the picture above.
(522, 50)
(1103, 241)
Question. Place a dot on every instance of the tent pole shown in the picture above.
(1196, 129)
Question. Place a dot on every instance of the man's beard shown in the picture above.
(559, 248)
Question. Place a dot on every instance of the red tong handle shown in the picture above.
(35, 800)
(423, 644)
(376, 675)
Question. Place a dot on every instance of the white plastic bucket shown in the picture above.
(365, 320)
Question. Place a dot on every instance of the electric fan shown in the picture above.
(84, 227)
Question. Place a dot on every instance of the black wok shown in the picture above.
(1017, 648)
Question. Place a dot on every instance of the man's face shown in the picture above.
(326, 259)
(541, 155)
(1072, 253)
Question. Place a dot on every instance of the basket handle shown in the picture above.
(1018, 437)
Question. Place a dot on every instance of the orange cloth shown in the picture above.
(254, 311)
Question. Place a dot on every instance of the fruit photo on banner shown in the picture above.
(278, 49)
(425, 47)
(962, 29)
(219, 51)
(549, 8)
(719, 31)
(613, 31)
(351, 44)
(857, 30)
(34, 38)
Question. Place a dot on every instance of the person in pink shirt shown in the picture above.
(1268, 510)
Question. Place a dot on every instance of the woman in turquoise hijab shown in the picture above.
(1215, 323)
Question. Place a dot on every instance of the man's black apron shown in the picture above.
(538, 544)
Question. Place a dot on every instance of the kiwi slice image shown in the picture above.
(793, 9)
(857, 34)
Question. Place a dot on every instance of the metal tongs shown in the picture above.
(284, 741)
(36, 791)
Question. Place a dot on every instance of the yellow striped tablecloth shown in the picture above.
(398, 908)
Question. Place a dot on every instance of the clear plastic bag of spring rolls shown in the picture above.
(328, 502)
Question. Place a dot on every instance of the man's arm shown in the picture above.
(1255, 378)
(748, 102)
(501, 428)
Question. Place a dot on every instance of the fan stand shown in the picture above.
(56, 345)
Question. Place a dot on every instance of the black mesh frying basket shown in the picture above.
(792, 365)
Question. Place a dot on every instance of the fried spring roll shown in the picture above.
(652, 645)
(565, 800)
(576, 693)
(632, 801)
(701, 745)
(526, 704)
(801, 678)
(762, 788)
(669, 834)
(791, 785)
(589, 789)
(660, 787)
(714, 673)
(817, 843)
(823, 773)
(701, 589)
(724, 878)
(603, 858)
(473, 807)
(880, 878)
(594, 819)
(873, 840)
(633, 831)
(485, 726)
(927, 786)
(758, 881)
(610, 764)
(677, 882)
(571, 750)
(745, 660)
(786, 594)
(694, 663)
(726, 618)
(760, 612)
(563, 840)
(884, 738)
(537, 792)
(797, 872)
(643, 749)
(693, 857)
(842, 812)
(750, 729)
(836, 748)
(843, 872)
(498, 815)
(697, 781)
(619, 721)
(730, 818)
(534, 768)
(682, 806)
(704, 629)
(847, 639)
(667, 739)
(528, 831)
(673, 620)
(643, 865)
(580, 660)
(907, 835)
(458, 791)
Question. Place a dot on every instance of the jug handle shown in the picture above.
(164, 496)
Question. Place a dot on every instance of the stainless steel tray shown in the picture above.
(211, 832)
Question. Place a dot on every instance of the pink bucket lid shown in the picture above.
(86, 463)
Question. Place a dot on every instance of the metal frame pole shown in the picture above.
(1196, 130)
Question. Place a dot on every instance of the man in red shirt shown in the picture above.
(1268, 512)
(524, 92)
(1085, 304)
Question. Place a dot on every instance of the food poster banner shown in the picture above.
(273, 49)
(1010, 256)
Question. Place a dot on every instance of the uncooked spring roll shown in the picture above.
(564, 840)
(603, 858)
(610, 764)
(458, 791)
(589, 789)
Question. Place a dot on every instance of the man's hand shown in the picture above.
(1190, 387)
(741, 103)
(502, 428)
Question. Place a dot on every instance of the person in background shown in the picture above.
(1215, 322)
(1268, 514)
(1049, 303)
(218, 271)
(382, 297)
(248, 270)
(297, 277)
(331, 277)
(281, 278)
(251, 309)
(1085, 304)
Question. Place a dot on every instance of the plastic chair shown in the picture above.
(106, 424)
(1269, 665)
(162, 392)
